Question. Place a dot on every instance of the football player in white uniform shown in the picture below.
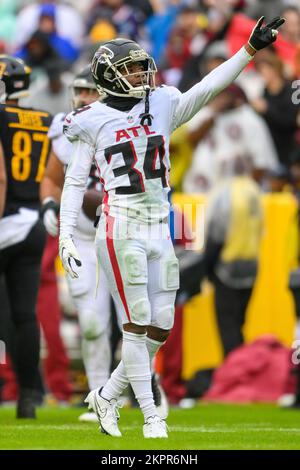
(93, 312)
(127, 135)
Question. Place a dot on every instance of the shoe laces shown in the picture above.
(153, 420)
(116, 405)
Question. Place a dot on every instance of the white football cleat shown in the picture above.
(106, 411)
(155, 427)
(89, 417)
(287, 400)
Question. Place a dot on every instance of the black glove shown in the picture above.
(264, 36)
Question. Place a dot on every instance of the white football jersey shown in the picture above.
(62, 147)
(133, 160)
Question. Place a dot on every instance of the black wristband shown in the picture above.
(51, 204)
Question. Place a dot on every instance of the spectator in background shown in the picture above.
(160, 24)
(240, 25)
(214, 23)
(227, 126)
(181, 153)
(195, 69)
(276, 105)
(234, 226)
(291, 28)
(47, 24)
(252, 82)
(102, 31)
(37, 52)
(50, 92)
(257, 8)
(128, 21)
(178, 47)
(279, 180)
(69, 23)
(47, 33)
(7, 20)
(81, 7)
(146, 6)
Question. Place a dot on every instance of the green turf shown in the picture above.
(204, 427)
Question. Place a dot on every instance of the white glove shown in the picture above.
(68, 255)
(50, 211)
(50, 220)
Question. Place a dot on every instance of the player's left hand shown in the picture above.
(49, 213)
(68, 254)
(263, 36)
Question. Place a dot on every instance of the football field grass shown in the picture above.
(206, 426)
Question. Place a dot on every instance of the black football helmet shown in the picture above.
(83, 79)
(16, 76)
(110, 68)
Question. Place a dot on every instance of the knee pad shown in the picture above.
(169, 274)
(140, 312)
(164, 317)
(137, 275)
(90, 324)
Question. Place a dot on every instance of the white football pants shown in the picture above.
(141, 269)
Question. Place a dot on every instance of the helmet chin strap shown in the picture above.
(146, 116)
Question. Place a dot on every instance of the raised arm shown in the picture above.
(200, 94)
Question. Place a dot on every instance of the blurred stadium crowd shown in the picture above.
(244, 143)
(187, 39)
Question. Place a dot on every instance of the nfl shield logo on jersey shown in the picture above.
(130, 119)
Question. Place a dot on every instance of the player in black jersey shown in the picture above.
(24, 149)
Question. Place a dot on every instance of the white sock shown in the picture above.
(136, 361)
(152, 346)
(116, 384)
(118, 380)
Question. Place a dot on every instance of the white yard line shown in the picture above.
(186, 429)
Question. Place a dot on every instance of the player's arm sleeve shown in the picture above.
(75, 184)
(75, 130)
(186, 105)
